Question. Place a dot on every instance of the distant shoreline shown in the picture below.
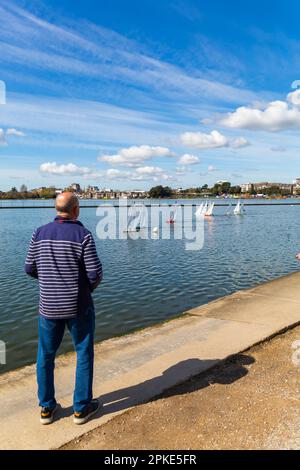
(158, 198)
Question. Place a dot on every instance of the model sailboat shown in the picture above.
(173, 215)
(199, 211)
(205, 210)
(239, 209)
(210, 209)
(229, 210)
(138, 218)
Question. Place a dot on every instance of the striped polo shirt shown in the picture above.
(62, 256)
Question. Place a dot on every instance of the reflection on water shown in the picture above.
(147, 281)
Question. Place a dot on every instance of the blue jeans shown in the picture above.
(51, 333)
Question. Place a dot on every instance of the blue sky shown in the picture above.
(130, 94)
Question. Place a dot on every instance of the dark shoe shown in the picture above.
(47, 415)
(83, 416)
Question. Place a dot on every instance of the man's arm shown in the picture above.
(30, 264)
(92, 263)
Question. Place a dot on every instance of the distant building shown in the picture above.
(76, 187)
(246, 187)
(286, 187)
(39, 190)
(266, 185)
(296, 188)
(92, 188)
(137, 194)
(262, 186)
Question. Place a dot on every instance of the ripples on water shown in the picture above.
(147, 281)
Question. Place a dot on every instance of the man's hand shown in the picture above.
(298, 256)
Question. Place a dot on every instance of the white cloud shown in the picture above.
(8, 132)
(99, 53)
(39, 116)
(153, 173)
(149, 170)
(14, 132)
(2, 92)
(295, 84)
(135, 155)
(181, 170)
(277, 116)
(165, 177)
(294, 97)
(212, 168)
(201, 140)
(207, 121)
(188, 159)
(2, 138)
(53, 168)
(116, 174)
(215, 139)
(144, 173)
(239, 142)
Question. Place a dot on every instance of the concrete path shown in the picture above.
(132, 369)
(249, 402)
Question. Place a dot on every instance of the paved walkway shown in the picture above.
(248, 402)
(132, 369)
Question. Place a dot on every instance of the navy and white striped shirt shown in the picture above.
(62, 256)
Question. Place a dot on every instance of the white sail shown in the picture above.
(239, 209)
(229, 210)
(173, 213)
(210, 209)
(199, 211)
(143, 216)
(141, 219)
(205, 208)
(137, 218)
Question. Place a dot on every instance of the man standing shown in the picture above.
(62, 256)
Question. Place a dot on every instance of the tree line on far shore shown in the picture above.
(23, 193)
(156, 192)
(217, 190)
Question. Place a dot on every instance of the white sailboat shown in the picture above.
(229, 210)
(173, 214)
(205, 208)
(138, 218)
(199, 211)
(142, 218)
(239, 209)
(209, 210)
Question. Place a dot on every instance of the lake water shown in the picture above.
(147, 281)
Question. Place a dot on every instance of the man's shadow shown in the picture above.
(186, 374)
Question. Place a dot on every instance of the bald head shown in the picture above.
(67, 205)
